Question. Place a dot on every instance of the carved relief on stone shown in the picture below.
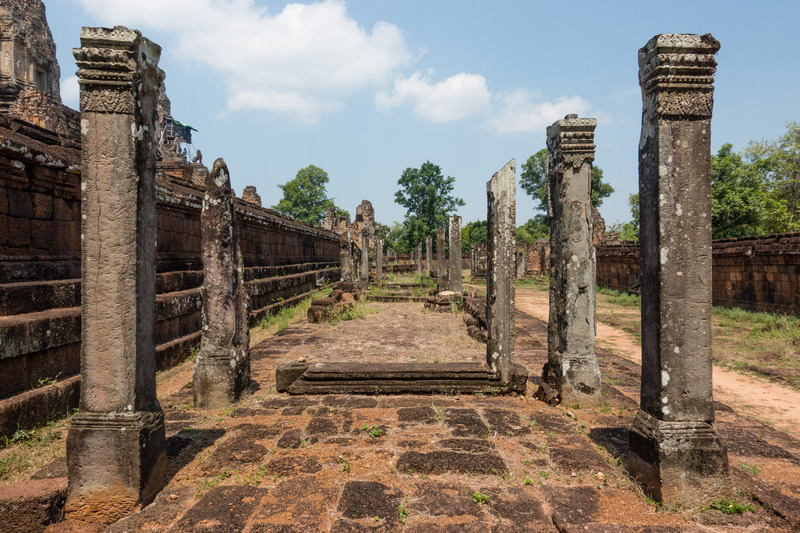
(109, 69)
(676, 72)
(571, 142)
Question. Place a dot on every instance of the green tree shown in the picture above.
(738, 196)
(305, 197)
(473, 232)
(533, 178)
(533, 181)
(780, 160)
(427, 196)
(534, 229)
(629, 231)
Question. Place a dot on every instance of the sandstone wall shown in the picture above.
(759, 273)
(40, 322)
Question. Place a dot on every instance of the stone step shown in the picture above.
(394, 378)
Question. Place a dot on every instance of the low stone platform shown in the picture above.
(435, 463)
(395, 378)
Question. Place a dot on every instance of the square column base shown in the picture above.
(679, 462)
(577, 380)
(219, 383)
(116, 464)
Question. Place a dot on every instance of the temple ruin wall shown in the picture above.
(760, 273)
(40, 235)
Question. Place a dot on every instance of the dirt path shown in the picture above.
(768, 402)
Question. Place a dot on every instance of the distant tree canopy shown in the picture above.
(473, 232)
(754, 192)
(534, 229)
(533, 181)
(305, 197)
(629, 231)
(427, 196)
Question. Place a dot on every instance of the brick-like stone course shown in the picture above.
(760, 273)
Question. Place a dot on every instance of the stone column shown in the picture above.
(501, 218)
(222, 368)
(676, 453)
(363, 279)
(428, 257)
(571, 362)
(441, 262)
(345, 256)
(378, 261)
(116, 445)
(418, 258)
(454, 275)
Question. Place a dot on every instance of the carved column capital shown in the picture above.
(115, 66)
(570, 141)
(676, 72)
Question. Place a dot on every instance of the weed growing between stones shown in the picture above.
(750, 469)
(479, 497)
(358, 310)
(403, 510)
(728, 506)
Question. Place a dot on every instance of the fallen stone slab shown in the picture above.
(30, 506)
(394, 378)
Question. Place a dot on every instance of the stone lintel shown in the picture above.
(679, 462)
(395, 378)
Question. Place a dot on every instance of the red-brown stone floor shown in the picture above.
(436, 463)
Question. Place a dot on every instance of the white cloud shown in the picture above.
(70, 91)
(303, 60)
(521, 111)
(454, 98)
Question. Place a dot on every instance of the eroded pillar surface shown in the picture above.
(222, 368)
(363, 278)
(378, 261)
(454, 274)
(116, 444)
(418, 258)
(501, 276)
(428, 256)
(571, 362)
(676, 452)
(346, 256)
(441, 262)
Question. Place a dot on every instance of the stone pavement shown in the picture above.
(435, 463)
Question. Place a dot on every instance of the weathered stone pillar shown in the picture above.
(571, 362)
(418, 258)
(378, 261)
(454, 275)
(116, 446)
(522, 261)
(676, 453)
(345, 256)
(222, 368)
(363, 279)
(441, 262)
(428, 256)
(501, 218)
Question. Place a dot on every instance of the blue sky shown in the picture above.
(367, 88)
